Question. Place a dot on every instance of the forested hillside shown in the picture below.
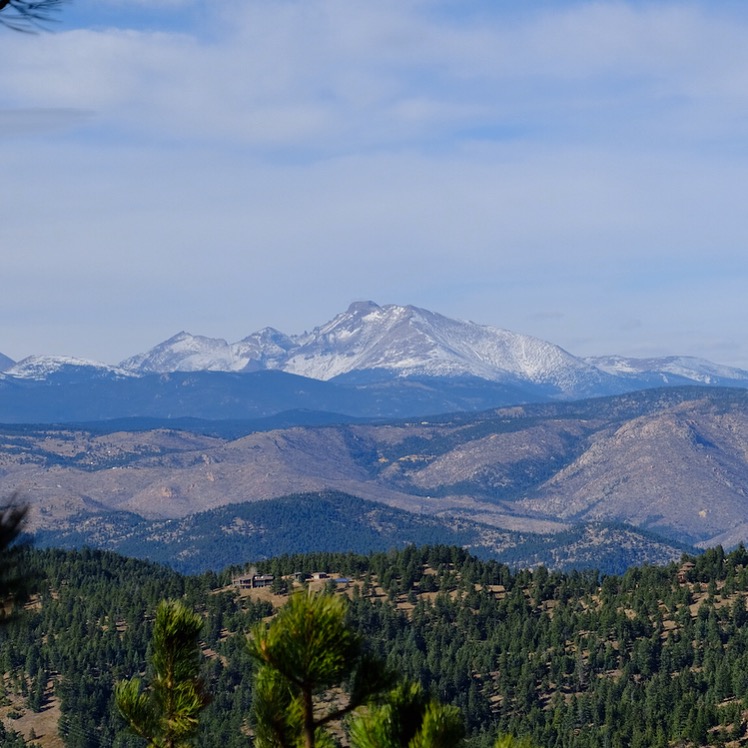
(656, 657)
(335, 521)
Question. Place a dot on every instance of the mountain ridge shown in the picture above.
(402, 341)
(370, 361)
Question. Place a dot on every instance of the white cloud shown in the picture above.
(332, 74)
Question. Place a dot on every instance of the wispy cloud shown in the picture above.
(33, 122)
(334, 75)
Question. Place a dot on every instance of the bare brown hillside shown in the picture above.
(675, 465)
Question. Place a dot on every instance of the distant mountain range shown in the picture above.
(384, 341)
(370, 361)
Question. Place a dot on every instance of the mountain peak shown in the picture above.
(182, 352)
(407, 341)
(362, 308)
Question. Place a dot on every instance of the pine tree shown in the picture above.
(167, 714)
(307, 652)
(408, 719)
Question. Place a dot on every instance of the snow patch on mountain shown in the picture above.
(266, 349)
(42, 367)
(685, 367)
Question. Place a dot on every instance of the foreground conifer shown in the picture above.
(408, 719)
(306, 652)
(166, 715)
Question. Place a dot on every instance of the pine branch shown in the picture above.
(28, 16)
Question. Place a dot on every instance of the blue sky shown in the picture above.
(575, 171)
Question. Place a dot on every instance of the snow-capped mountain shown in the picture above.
(41, 367)
(671, 370)
(369, 361)
(403, 341)
(185, 352)
(266, 349)
(408, 341)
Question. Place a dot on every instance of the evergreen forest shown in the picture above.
(655, 657)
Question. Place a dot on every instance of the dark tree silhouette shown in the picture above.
(28, 15)
(14, 578)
